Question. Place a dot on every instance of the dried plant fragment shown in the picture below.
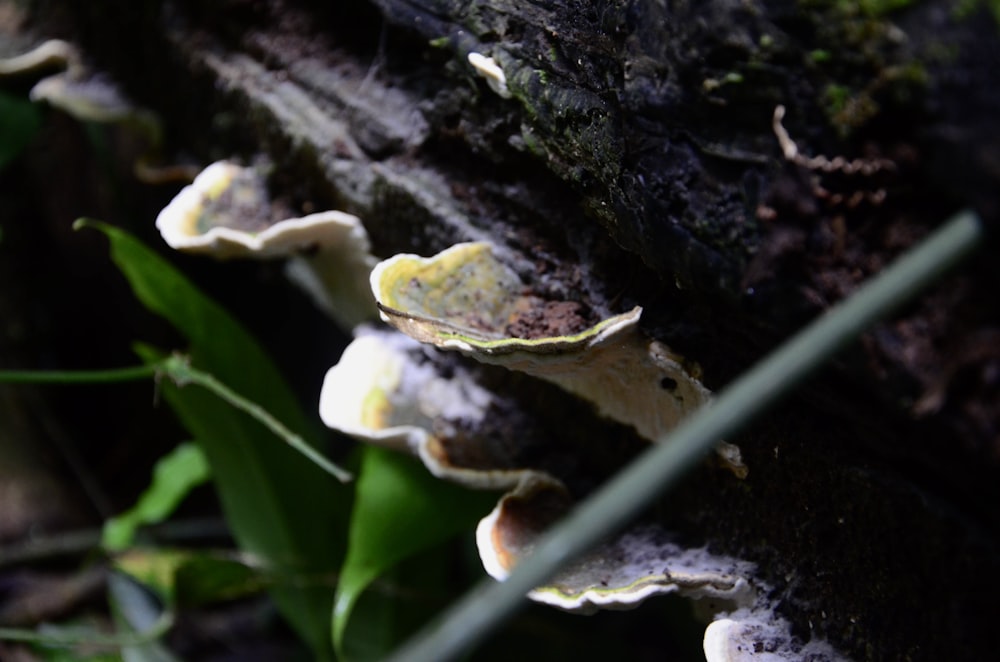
(821, 163)
(227, 212)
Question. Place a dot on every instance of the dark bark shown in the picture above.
(635, 164)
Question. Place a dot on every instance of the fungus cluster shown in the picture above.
(397, 390)
(466, 299)
(91, 96)
(394, 387)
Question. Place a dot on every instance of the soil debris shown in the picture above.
(534, 317)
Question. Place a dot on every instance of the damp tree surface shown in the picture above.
(733, 167)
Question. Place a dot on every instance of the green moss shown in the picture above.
(820, 55)
(881, 7)
(966, 8)
(835, 98)
(532, 142)
(847, 109)
(859, 65)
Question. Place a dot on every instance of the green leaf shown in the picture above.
(206, 578)
(174, 476)
(179, 370)
(281, 507)
(19, 121)
(400, 509)
(189, 578)
(51, 646)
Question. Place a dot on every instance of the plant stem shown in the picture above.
(178, 369)
(130, 374)
(63, 638)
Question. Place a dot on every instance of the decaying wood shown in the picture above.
(637, 161)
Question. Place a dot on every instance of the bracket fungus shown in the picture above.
(91, 96)
(465, 298)
(620, 573)
(387, 390)
(757, 634)
(227, 213)
(488, 68)
(392, 391)
(48, 54)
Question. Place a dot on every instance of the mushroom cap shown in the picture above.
(465, 298)
(50, 53)
(210, 216)
(621, 573)
(758, 634)
(488, 68)
(92, 98)
(387, 390)
(226, 212)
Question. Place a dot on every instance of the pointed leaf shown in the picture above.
(174, 476)
(280, 506)
(20, 120)
(399, 509)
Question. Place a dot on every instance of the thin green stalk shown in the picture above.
(32, 549)
(625, 495)
(129, 374)
(77, 543)
(63, 638)
(178, 370)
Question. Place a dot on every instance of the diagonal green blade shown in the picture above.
(281, 507)
(400, 509)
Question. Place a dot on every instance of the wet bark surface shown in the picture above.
(635, 162)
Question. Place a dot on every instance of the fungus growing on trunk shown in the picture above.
(758, 633)
(227, 213)
(465, 298)
(92, 96)
(488, 68)
(387, 390)
(620, 573)
(80, 92)
(392, 391)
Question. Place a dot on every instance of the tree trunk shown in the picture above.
(634, 158)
